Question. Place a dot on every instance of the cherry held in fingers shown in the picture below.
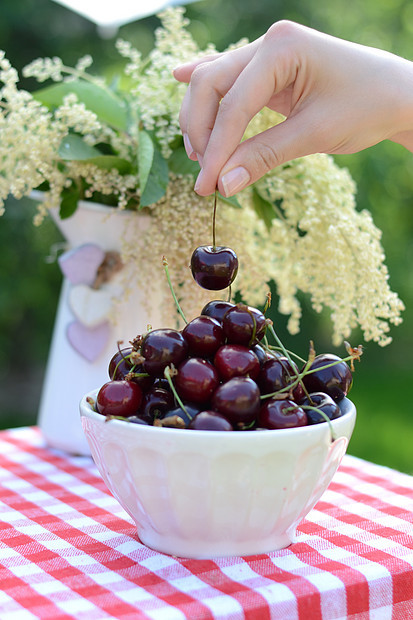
(214, 267)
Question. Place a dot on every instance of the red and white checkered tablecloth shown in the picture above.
(68, 550)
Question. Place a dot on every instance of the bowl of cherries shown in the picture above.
(215, 438)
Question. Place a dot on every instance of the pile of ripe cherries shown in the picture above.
(218, 373)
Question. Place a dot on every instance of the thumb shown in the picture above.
(253, 158)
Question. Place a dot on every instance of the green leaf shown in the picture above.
(264, 208)
(231, 200)
(157, 180)
(108, 162)
(69, 199)
(179, 163)
(105, 104)
(146, 150)
(73, 147)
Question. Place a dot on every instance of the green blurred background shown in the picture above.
(30, 284)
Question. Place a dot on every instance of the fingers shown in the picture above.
(255, 87)
(184, 72)
(210, 80)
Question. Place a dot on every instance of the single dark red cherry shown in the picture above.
(238, 400)
(323, 402)
(235, 360)
(214, 268)
(155, 403)
(210, 421)
(281, 414)
(216, 309)
(121, 365)
(161, 348)
(244, 325)
(197, 380)
(336, 380)
(204, 336)
(119, 398)
(278, 373)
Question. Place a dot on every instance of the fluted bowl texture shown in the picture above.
(206, 494)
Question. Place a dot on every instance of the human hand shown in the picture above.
(337, 97)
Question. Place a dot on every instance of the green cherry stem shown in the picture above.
(287, 355)
(167, 375)
(168, 277)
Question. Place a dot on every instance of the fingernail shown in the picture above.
(234, 180)
(200, 159)
(198, 181)
(188, 146)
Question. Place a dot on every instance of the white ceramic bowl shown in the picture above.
(205, 494)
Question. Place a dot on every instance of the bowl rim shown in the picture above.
(86, 411)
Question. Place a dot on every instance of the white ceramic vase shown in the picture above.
(69, 373)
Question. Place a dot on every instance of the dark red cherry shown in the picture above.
(261, 353)
(336, 380)
(197, 380)
(238, 400)
(161, 348)
(121, 365)
(235, 360)
(204, 336)
(322, 401)
(155, 403)
(275, 374)
(244, 325)
(119, 398)
(214, 268)
(281, 414)
(210, 421)
(216, 309)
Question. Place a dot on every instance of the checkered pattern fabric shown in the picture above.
(68, 550)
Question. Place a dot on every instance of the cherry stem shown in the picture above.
(167, 375)
(287, 355)
(168, 277)
(214, 215)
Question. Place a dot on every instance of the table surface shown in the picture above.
(68, 550)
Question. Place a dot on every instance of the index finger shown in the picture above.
(209, 83)
(271, 69)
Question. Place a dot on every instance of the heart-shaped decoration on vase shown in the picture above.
(80, 265)
(89, 343)
(90, 307)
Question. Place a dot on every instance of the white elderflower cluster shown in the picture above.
(74, 115)
(158, 96)
(28, 139)
(330, 250)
